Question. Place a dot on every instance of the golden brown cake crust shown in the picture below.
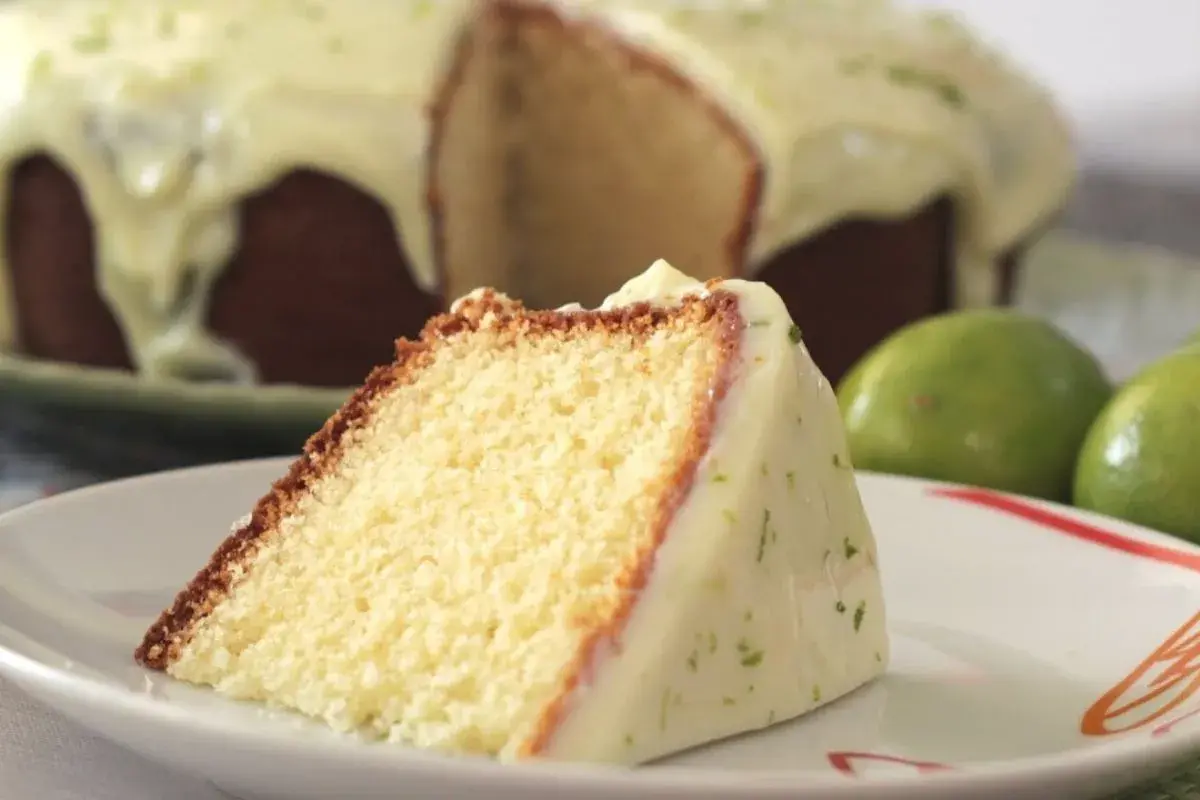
(164, 639)
(169, 632)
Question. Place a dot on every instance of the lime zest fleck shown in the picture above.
(750, 656)
(751, 16)
(96, 38)
(949, 92)
(716, 583)
(850, 550)
(198, 71)
(795, 334)
(41, 65)
(89, 43)
(859, 612)
(840, 607)
(854, 66)
(762, 537)
(168, 23)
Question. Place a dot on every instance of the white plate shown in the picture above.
(1016, 628)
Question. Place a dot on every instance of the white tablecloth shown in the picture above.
(44, 757)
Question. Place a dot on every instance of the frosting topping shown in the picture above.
(765, 600)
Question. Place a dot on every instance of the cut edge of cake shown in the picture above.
(659, 685)
(510, 34)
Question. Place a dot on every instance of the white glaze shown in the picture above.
(739, 625)
(169, 112)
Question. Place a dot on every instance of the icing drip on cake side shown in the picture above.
(169, 112)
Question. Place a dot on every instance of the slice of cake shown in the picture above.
(599, 535)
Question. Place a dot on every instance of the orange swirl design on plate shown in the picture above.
(1163, 682)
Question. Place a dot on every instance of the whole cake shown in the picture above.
(600, 535)
(272, 190)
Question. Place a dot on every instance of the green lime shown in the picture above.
(1141, 459)
(988, 397)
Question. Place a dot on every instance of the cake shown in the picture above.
(590, 535)
(185, 177)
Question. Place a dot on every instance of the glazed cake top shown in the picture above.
(168, 112)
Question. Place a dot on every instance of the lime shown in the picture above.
(1141, 459)
(988, 397)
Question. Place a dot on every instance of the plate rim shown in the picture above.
(82, 388)
(1115, 756)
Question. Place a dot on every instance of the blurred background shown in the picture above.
(1127, 73)
(1120, 275)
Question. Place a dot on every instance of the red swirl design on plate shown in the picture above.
(1165, 728)
(844, 761)
(1071, 526)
